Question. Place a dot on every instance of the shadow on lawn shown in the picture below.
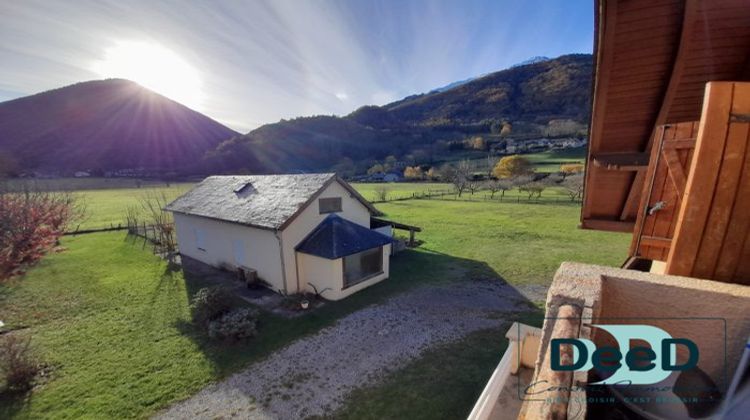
(410, 269)
(12, 402)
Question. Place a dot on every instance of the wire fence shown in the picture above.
(482, 195)
(415, 195)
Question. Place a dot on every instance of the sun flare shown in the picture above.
(154, 67)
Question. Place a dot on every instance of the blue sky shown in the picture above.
(247, 63)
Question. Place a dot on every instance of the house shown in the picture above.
(669, 164)
(299, 233)
(392, 177)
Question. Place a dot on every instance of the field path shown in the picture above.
(313, 375)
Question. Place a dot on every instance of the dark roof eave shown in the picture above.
(273, 229)
(342, 255)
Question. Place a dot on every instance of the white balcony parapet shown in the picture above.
(523, 346)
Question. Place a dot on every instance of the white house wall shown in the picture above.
(351, 209)
(231, 244)
(328, 275)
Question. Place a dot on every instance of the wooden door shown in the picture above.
(666, 179)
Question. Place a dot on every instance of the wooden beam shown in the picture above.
(608, 225)
(656, 241)
(606, 23)
(689, 17)
(679, 144)
(621, 161)
(675, 170)
(701, 182)
(396, 225)
(630, 209)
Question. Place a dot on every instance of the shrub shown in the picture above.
(210, 303)
(17, 363)
(238, 324)
(31, 222)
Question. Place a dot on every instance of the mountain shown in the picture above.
(530, 97)
(104, 125)
(450, 86)
(533, 60)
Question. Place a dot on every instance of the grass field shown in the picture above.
(107, 207)
(112, 320)
(397, 190)
(550, 161)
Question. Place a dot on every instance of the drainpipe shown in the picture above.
(296, 270)
(277, 233)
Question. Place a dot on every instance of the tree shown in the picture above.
(390, 163)
(495, 185)
(345, 168)
(512, 167)
(568, 169)
(473, 184)
(506, 130)
(381, 193)
(496, 127)
(521, 181)
(433, 174)
(375, 169)
(573, 186)
(457, 175)
(533, 189)
(478, 143)
(413, 172)
(153, 205)
(31, 223)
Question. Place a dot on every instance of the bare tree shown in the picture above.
(495, 185)
(153, 205)
(381, 193)
(521, 181)
(458, 175)
(533, 189)
(573, 186)
(473, 185)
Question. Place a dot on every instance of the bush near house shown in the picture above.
(235, 325)
(210, 303)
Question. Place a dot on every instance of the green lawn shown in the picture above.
(112, 320)
(551, 160)
(400, 189)
(107, 207)
(522, 243)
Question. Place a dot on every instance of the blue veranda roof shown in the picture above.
(335, 237)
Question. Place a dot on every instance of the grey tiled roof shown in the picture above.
(268, 202)
(336, 237)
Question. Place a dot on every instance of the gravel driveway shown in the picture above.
(313, 375)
